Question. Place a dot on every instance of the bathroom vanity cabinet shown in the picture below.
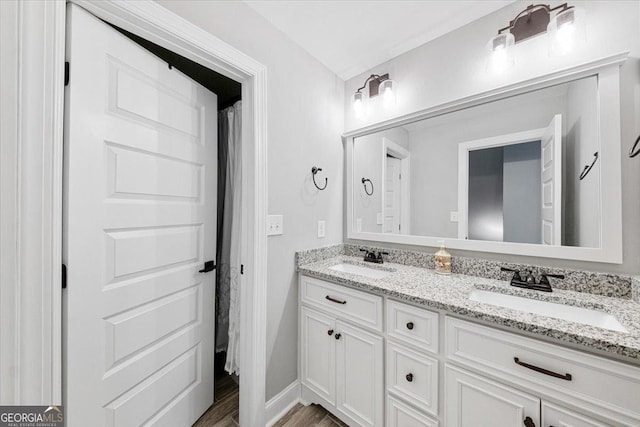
(376, 361)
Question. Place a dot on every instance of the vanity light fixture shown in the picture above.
(378, 85)
(563, 30)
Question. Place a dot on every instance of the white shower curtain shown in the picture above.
(228, 292)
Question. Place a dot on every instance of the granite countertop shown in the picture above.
(451, 293)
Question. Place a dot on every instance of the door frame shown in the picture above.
(163, 27)
(463, 167)
(402, 154)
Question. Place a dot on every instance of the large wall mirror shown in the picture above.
(534, 170)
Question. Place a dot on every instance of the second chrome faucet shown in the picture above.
(524, 279)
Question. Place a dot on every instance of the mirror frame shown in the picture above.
(607, 71)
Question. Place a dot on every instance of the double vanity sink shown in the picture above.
(547, 308)
(396, 345)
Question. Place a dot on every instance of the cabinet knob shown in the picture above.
(409, 377)
(338, 336)
(330, 332)
(410, 325)
(528, 422)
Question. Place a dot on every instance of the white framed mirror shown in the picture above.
(531, 169)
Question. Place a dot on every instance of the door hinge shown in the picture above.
(66, 73)
(64, 276)
(241, 268)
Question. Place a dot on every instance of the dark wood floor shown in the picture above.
(224, 411)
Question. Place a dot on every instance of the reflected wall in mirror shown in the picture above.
(505, 171)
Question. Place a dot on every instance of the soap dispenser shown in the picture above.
(442, 260)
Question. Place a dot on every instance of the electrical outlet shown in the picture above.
(454, 216)
(321, 228)
(275, 225)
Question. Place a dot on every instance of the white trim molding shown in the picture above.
(281, 403)
(32, 104)
(607, 71)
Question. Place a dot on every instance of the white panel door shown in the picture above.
(392, 196)
(473, 401)
(557, 416)
(318, 361)
(140, 220)
(552, 183)
(359, 370)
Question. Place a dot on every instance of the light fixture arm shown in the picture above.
(373, 81)
(529, 11)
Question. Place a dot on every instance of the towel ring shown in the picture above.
(314, 171)
(364, 183)
(635, 150)
(588, 168)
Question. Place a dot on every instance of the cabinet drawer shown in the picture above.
(355, 306)
(612, 386)
(412, 325)
(402, 415)
(413, 377)
(553, 415)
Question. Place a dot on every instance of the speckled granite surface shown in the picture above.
(451, 293)
(607, 284)
(635, 289)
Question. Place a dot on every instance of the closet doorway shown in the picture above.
(158, 396)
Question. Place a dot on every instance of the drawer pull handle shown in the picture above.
(338, 336)
(409, 377)
(330, 332)
(566, 377)
(410, 325)
(528, 422)
(337, 301)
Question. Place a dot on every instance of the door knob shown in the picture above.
(330, 332)
(409, 377)
(410, 325)
(528, 422)
(338, 336)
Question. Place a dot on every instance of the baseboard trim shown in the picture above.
(281, 403)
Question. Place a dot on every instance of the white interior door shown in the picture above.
(140, 220)
(552, 183)
(392, 195)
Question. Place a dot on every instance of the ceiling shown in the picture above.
(353, 36)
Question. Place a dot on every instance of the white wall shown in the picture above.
(305, 121)
(453, 66)
(582, 198)
(368, 159)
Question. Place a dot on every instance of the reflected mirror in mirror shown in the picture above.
(506, 171)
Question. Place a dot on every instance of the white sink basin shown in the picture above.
(582, 315)
(372, 273)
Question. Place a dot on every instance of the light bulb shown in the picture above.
(500, 52)
(358, 105)
(388, 93)
(565, 30)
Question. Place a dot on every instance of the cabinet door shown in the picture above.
(318, 354)
(557, 416)
(360, 392)
(474, 401)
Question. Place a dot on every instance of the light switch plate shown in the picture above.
(454, 216)
(321, 228)
(275, 225)
(379, 218)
